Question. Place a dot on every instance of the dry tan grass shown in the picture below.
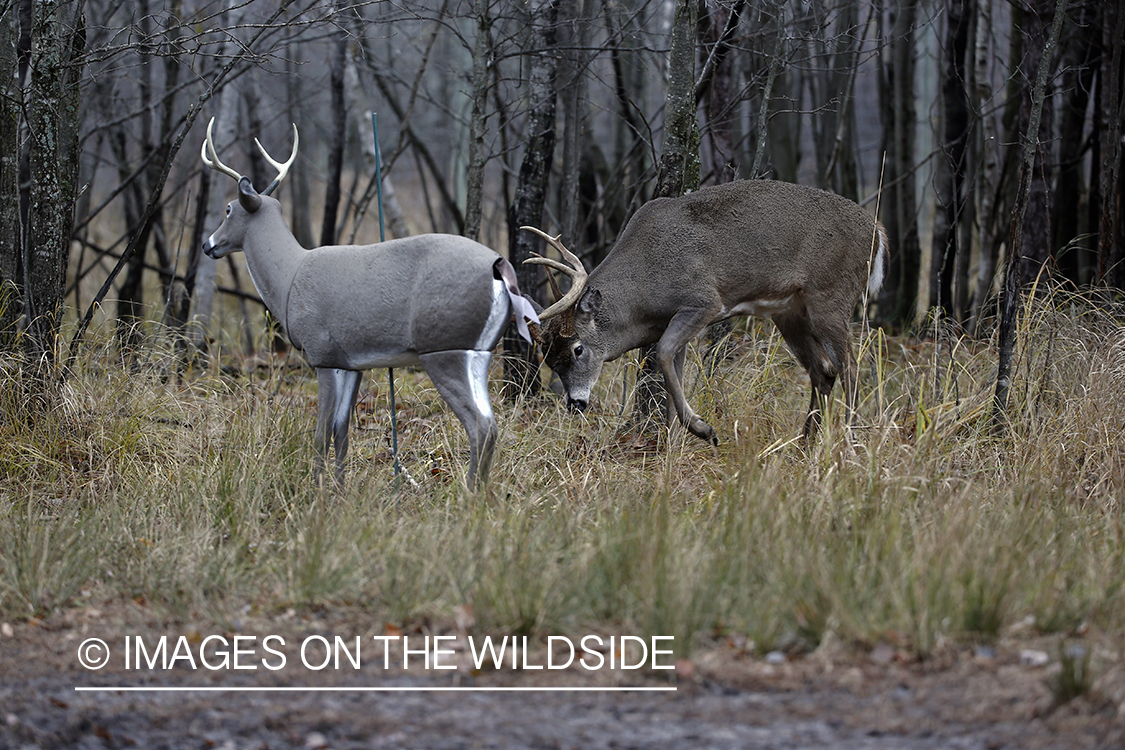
(919, 526)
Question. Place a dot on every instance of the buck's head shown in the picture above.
(251, 207)
(572, 341)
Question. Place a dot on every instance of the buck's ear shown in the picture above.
(590, 303)
(247, 196)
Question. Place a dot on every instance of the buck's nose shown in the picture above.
(576, 404)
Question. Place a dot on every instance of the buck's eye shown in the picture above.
(229, 205)
(578, 351)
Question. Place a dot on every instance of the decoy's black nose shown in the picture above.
(576, 404)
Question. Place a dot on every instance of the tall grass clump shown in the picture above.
(923, 525)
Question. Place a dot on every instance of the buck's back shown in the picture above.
(749, 240)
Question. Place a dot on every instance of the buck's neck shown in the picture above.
(273, 256)
(622, 322)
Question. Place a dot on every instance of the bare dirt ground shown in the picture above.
(834, 698)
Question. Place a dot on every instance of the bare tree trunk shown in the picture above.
(300, 217)
(762, 133)
(521, 368)
(898, 115)
(572, 95)
(784, 127)
(714, 91)
(11, 266)
(51, 100)
(1111, 253)
(1080, 49)
(1012, 286)
(991, 177)
(482, 51)
(974, 185)
(1035, 241)
(679, 171)
(336, 144)
(950, 167)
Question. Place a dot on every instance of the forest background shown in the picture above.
(915, 109)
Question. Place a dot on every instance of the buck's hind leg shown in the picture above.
(825, 353)
(336, 394)
(461, 377)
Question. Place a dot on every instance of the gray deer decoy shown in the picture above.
(794, 254)
(435, 300)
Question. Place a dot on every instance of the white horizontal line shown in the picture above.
(446, 689)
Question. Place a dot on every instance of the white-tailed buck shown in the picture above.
(434, 300)
(794, 254)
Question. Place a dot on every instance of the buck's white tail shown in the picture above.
(879, 262)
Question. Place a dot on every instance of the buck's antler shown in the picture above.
(213, 162)
(575, 271)
(282, 169)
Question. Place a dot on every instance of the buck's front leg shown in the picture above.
(461, 377)
(336, 394)
(685, 326)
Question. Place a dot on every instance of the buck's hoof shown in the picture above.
(704, 431)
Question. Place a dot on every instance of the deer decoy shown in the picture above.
(435, 300)
(794, 254)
